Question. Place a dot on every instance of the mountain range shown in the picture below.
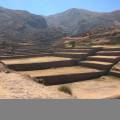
(77, 21)
(18, 26)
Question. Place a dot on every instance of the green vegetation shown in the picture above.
(65, 89)
(115, 42)
(71, 44)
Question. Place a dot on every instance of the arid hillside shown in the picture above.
(18, 27)
(77, 21)
(96, 36)
(23, 30)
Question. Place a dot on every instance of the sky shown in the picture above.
(49, 7)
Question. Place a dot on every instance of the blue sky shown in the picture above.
(48, 7)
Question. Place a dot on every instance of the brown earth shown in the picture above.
(101, 88)
(34, 60)
(16, 86)
(59, 71)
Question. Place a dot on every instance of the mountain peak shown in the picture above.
(76, 10)
(78, 21)
(73, 9)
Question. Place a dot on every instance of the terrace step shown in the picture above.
(38, 63)
(16, 56)
(115, 73)
(97, 65)
(76, 50)
(26, 53)
(79, 55)
(111, 49)
(109, 53)
(112, 59)
(89, 47)
(64, 75)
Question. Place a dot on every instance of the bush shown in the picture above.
(65, 89)
(72, 44)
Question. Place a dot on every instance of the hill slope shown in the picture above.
(18, 26)
(31, 31)
(96, 36)
(75, 21)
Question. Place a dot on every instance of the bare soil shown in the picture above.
(59, 71)
(34, 60)
(101, 88)
(98, 62)
(16, 86)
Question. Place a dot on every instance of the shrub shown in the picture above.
(65, 89)
(72, 44)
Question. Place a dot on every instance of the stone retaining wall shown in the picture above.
(43, 65)
(25, 56)
(69, 78)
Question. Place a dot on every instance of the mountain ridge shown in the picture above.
(19, 26)
(72, 20)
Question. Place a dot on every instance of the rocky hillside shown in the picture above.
(77, 21)
(95, 36)
(103, 36)
(34, 31)
(18, 26)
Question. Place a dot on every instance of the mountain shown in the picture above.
(23, 30)
(17, 26)
(76, 21)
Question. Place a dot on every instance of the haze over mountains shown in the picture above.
(22, 26)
